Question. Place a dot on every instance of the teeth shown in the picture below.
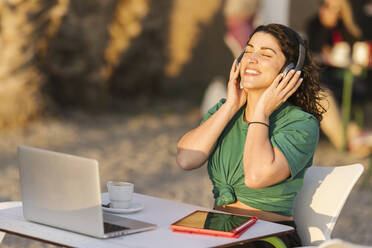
(251, 71)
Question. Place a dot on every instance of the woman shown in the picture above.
(332, 24)
(262, 137)
(331, 33)
(239, 21)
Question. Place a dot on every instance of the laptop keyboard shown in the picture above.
(108, 227)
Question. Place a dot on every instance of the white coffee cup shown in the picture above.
(120, 194)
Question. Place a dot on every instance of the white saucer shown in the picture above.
(134, 207)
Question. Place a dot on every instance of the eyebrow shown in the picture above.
(263, 48)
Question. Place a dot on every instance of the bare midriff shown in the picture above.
(240, 208)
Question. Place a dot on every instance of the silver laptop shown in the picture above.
(63, 191)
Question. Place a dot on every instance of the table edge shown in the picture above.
(253, 239)
(34, 238)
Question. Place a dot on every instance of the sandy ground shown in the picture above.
(138, 144)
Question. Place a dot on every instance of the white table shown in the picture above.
(158, 211)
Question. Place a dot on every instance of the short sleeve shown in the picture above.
(297, 140)
(213, 110)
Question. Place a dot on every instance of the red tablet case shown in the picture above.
(235, 233)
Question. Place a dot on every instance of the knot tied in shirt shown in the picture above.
(226, 195)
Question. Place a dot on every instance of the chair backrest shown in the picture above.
(338, 243)
(319, 203)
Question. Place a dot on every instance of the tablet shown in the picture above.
(214, 223)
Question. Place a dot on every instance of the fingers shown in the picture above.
(234, 64)
(233, 68)
(292, 90)
(277, 80)
(237, 71)
(293, 81)
(290, 79)
(288, 85)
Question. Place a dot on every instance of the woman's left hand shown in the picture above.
(276, 94)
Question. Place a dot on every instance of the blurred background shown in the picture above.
(122, 80)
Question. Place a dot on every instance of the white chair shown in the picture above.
(5, 205)
(319, 203)
(338, 243)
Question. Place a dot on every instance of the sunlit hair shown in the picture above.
(309, 94)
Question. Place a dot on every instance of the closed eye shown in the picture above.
(267, 55)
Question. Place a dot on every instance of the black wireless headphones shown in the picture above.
(287, 67)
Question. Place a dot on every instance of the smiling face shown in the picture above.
(261, 62)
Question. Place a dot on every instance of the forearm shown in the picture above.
(194, 147)
(259, 155)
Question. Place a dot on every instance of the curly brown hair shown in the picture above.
(309, 94)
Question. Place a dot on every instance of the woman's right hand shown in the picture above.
(236, 97)
(195, 147)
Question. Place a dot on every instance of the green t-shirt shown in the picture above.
(294, 132)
